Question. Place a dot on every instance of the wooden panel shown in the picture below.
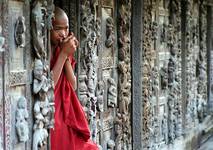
(16, 71)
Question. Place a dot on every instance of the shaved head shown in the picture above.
(59, 14)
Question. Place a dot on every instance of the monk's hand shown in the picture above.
(69, 45)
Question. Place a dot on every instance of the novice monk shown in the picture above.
(71, 130)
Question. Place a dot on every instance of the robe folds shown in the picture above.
(71, 131)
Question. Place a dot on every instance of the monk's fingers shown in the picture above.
(71, 33)
(76, 42)
(68, 38)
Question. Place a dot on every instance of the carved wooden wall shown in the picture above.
(15, 62)
(210, 56)
(174, 70)
(104, 72)
(17, 110)
(2, 41)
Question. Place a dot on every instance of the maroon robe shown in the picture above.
(71, 131)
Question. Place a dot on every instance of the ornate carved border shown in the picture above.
(18, 78)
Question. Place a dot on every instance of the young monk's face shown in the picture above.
(60, 30)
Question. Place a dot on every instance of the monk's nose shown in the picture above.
(63, 34)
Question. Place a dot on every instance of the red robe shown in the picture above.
(71, 131)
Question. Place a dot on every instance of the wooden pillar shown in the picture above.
(137, 100)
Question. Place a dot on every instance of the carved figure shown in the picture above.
(20, 29)
(42, 111)
(164, 129)
(154, 30)
(155, 129)
(118, 131)
(40, 83)
(201, 106)
(83, 90)
(38, 28)
(2, 40)
(110, 145)
(155, 82)
(109, 32)
(100, 96)
(122, 68)
(172, 127)
(91, 78)
(39, 138)
(164, 78)
(171, 71)
(21, 120)
(112, 93)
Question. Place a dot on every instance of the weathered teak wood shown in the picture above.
(210, 57)
(137, 50)
(16, 73)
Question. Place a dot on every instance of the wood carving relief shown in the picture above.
(146, 89)
(18, 78)
(89, 63)
(20, 29)
(123, 114)
(104, 93)
(43, 109)
(164, 71)
(22, 115)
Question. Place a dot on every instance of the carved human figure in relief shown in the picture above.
(118, 130)
(42, 111)
(38, 28)
(100, 96)
(171, 71)
(164, 129)
(21, 120)
(112, 93)
(91, 77)
(110, 145)
(109, 32)
(83, 90)
(201, 107)
(39, 138)
(2, 40)
(20, 29)
(171, 128)
(164, 77)
(40, 83)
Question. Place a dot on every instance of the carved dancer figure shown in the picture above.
(20, 29)
(109, 32)
(38, 28)
(40, 83)
(100, 96)
(21, 120)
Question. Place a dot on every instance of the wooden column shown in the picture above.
(137, 100)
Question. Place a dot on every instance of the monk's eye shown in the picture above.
(56, 28)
